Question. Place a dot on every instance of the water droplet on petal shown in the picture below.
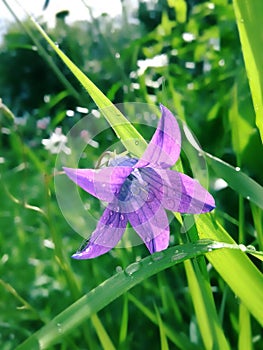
(131, 269)
(121, 217)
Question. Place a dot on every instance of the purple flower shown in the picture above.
(139, 191)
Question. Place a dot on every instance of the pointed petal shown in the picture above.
(102, 183)
(165, 145)
(109, 231)
(151, 225)
(184, 194)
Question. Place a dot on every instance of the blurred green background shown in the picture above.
(184, 54)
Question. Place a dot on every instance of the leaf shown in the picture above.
(249, 19)
(234, 266)
(237, 180)
(122, 127)
(109, 290)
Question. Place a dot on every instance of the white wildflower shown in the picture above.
(57, 142)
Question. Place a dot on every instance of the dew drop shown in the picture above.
(251, 247)
(122, 217)
(59, 327)
(248, 198)
(131, 269)
(242, 247)
(118, 269)
(157, 256)
(111, 213)
(178, 256)
(136, 142)
(237, 168)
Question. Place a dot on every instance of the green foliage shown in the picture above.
(186, 55)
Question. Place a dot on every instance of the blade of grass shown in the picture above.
(123, 129)
(234, 266)
(108, 291)
(249, 19)
(124, 323)
(206, 314)
(178, 338)
(163, 339)
(102, 334)
(244, 334)
(237, 180)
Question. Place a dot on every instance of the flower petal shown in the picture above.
(109, 231)
(165, 145)
(102, 183)
(142, 186)
(151, 225)
(184, 194)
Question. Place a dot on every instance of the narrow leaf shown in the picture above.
(249, 20)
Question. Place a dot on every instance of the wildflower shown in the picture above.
(57, 142)
(139, 191)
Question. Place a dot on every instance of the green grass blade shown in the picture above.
(249, 20)
(124, 323)
(244, 335)
(237, 180)
(123, 129)
(178, 338)
(102, 334)
(108, 291)
(234, 266)
(163, 339)
(206, 314)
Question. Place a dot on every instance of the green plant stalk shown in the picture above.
(249, 20)
(108, 291)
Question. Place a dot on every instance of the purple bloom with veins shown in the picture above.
(139, 191)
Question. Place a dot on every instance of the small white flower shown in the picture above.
(57, 142)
